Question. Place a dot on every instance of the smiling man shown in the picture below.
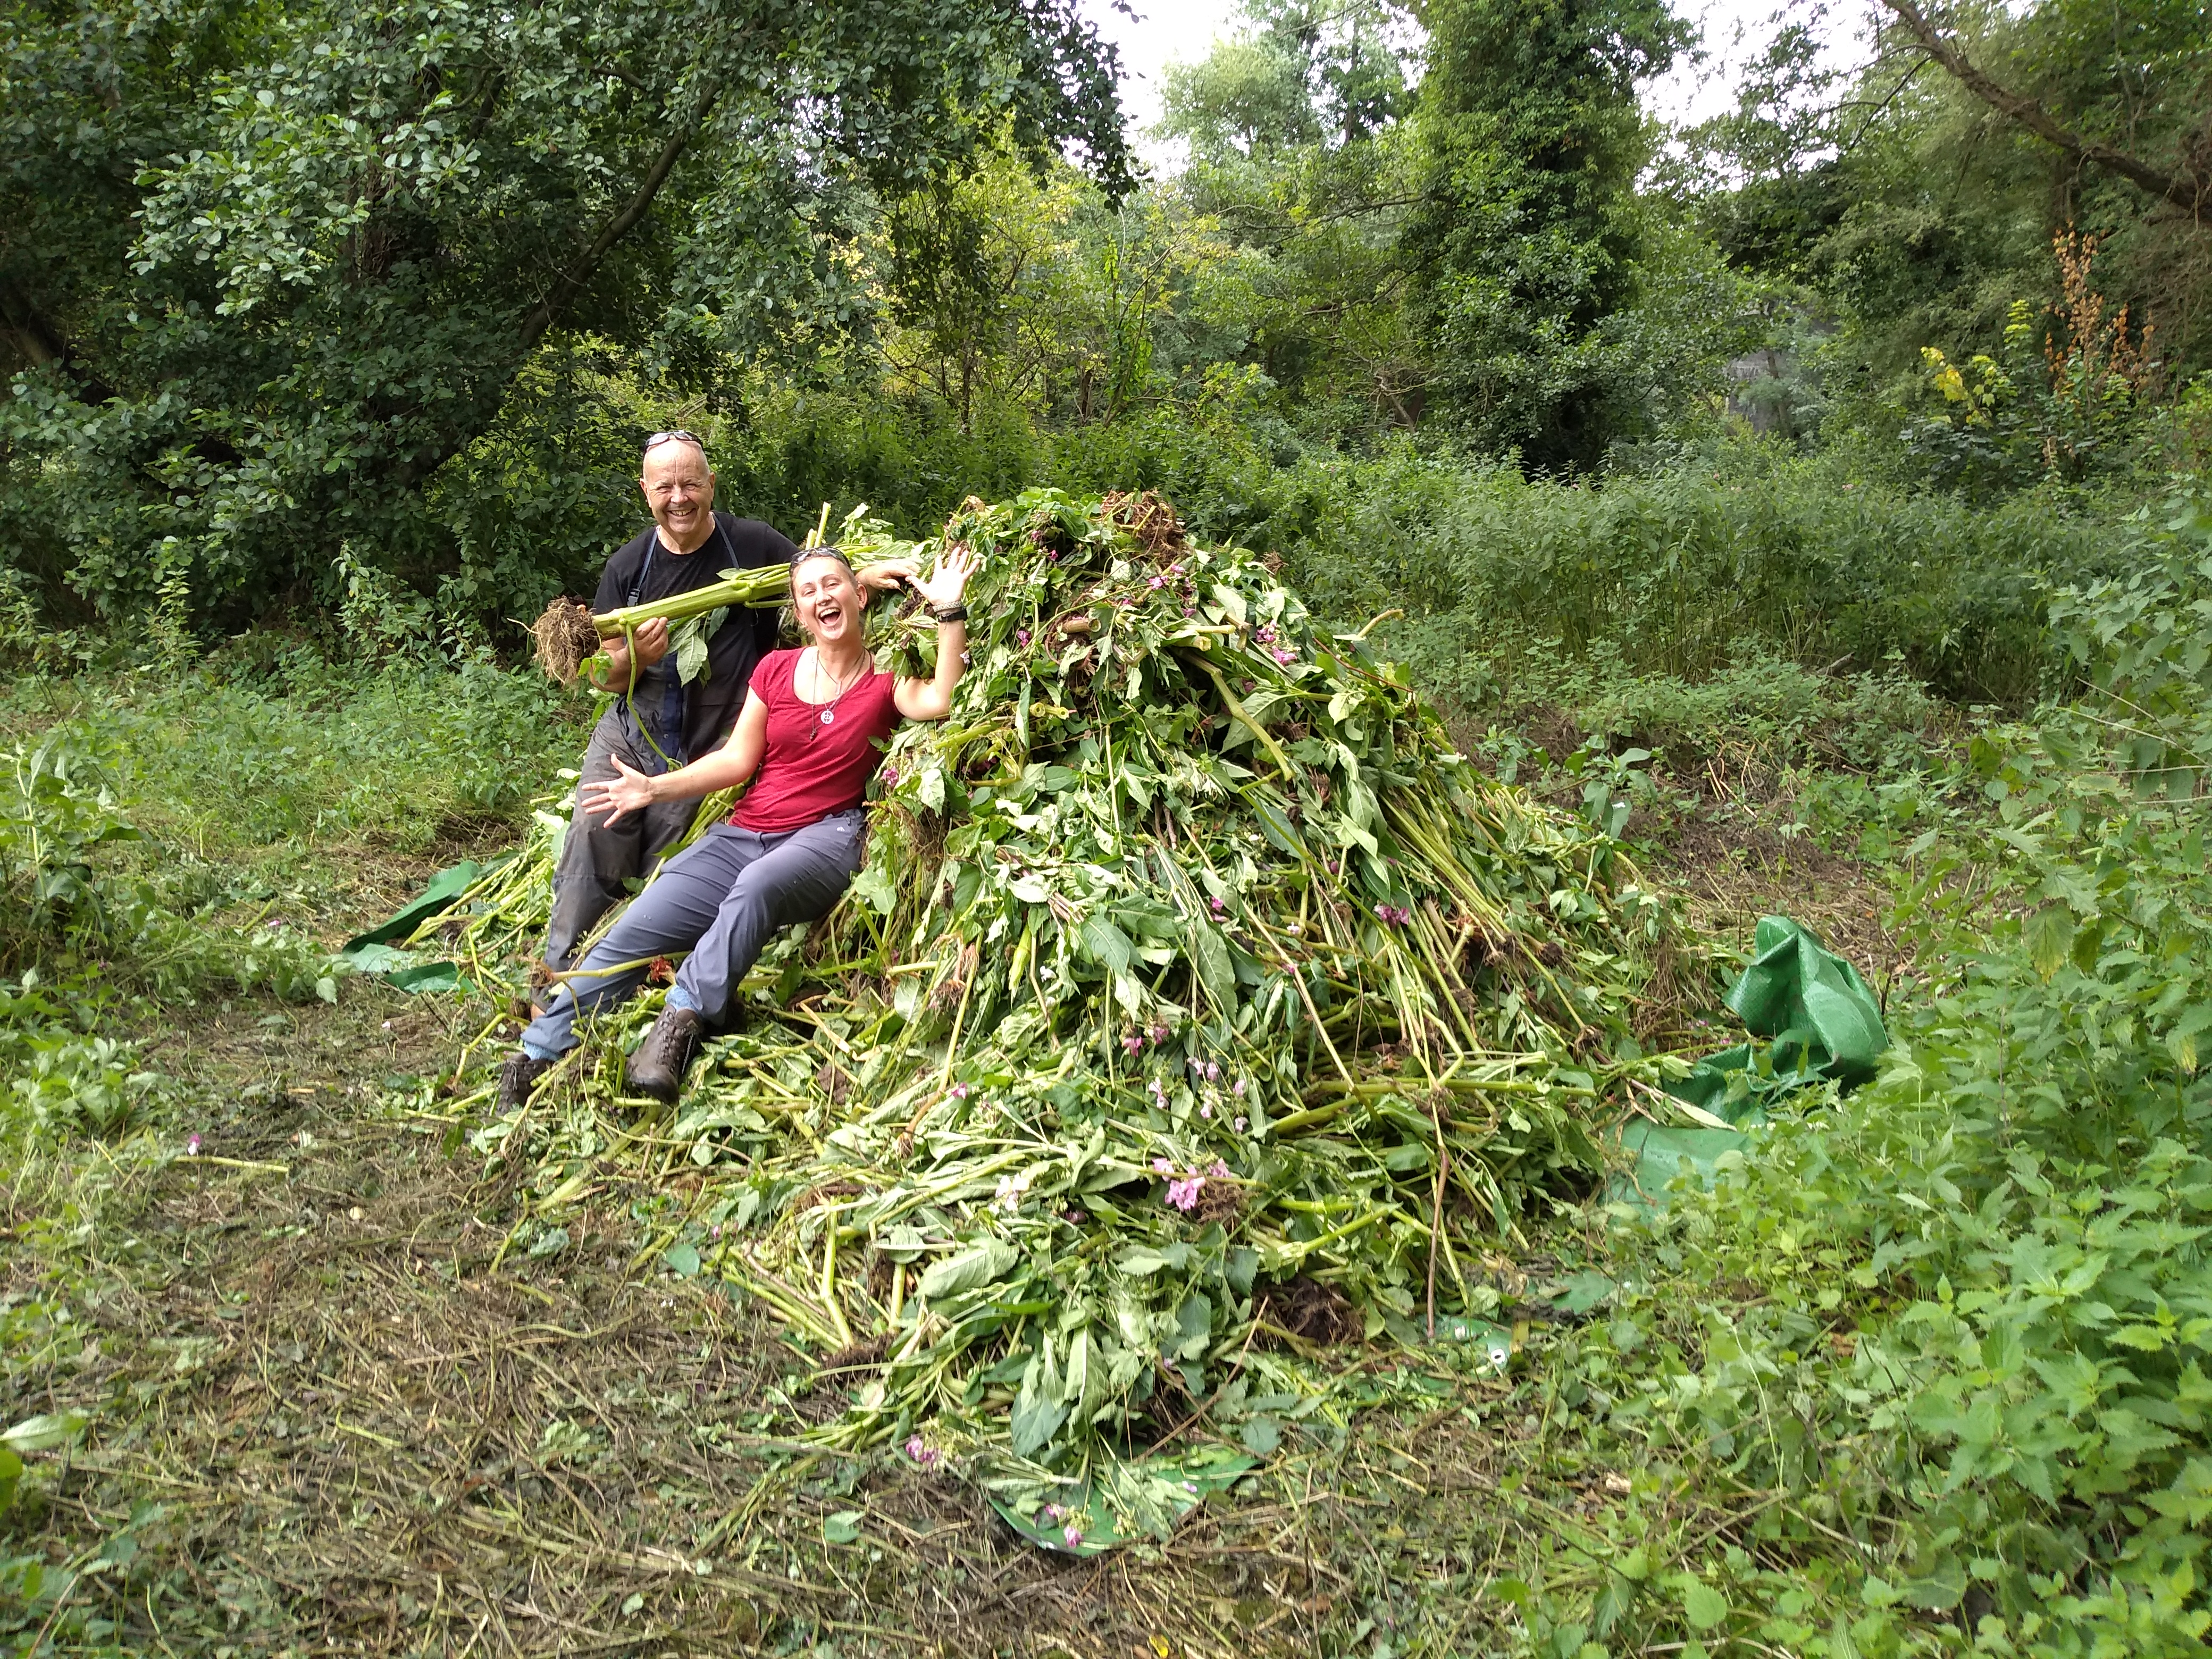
(661, 721)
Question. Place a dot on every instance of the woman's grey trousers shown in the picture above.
(721, 899)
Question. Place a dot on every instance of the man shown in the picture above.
(661, 723)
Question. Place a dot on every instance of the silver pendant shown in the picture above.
(828, 717)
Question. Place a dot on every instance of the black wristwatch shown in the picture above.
(949, 613)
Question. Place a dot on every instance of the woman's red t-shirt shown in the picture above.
(813, 767)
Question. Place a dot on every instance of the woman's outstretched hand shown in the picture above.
(945, 584)
(612, 797)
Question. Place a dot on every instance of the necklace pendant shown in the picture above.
(828, 717)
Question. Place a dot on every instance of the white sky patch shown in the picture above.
(1162, 31)
(1735, 32)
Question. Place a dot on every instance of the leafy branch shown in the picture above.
(2187, 190)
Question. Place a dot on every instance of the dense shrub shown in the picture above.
(1956, 1330)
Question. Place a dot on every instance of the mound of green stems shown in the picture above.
(1191, 974)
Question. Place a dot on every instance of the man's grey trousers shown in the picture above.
(722, 898)
(598, 862)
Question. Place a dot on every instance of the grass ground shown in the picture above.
(327, 1411)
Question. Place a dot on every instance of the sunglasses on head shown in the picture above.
(674, 436)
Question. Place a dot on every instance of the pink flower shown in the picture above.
(890, 777)
(1263, 635)
(1161, 1166)
(1284, 655)
(1205, 1111)
(1219, 1172)
(1073, 1217)
(1073, 1537)
(1155, 582)
(1213, 1070)
(1183, 1194)
(192, 1146)
(921, 1454)
(1219, 908)
(1241, 1122)
(1237, 1088)
(960, 1091)
(1133, 1044)
(1022, 637)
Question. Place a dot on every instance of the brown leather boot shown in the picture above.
(517, 1079)
(657, 1067)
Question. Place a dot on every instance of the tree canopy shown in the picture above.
(274, 268)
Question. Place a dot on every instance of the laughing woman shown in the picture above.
(809, 738)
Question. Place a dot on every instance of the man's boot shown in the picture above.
(517, 1078)
(658, 1066)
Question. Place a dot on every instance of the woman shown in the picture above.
(809, 738)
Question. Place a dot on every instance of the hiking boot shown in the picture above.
(658, 1066)
(517, 1078)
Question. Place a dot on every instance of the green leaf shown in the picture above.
(1142, 1260)
(1037, 1412)
(11, 1471)
(1276, 826)
(689, 638)
(2048, 934)
(682, 1259)
(979, 1265)
(874, 887)
(1702, 1605)
(45, 1433)
(842, 1528)
(1210, 956)
(1107, 943)
(1260, 1435)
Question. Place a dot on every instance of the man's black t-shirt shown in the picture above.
(698, 716)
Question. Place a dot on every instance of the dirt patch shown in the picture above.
(374, 1422)
(1733, 867)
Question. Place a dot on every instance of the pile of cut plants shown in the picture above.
(1198, 1009)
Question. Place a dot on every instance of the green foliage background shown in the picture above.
(1855, 437)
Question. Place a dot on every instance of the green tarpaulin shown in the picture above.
(372, 953)
(1820, 1021)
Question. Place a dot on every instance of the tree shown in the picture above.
(1525, 239)
(269, 273)
(1299, 165)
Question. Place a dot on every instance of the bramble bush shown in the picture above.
(1943, 1344)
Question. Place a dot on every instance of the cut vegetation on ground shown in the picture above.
(301, 1349)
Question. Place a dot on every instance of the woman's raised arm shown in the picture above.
(932, 699)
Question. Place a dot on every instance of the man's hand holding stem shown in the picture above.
(651, 638)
